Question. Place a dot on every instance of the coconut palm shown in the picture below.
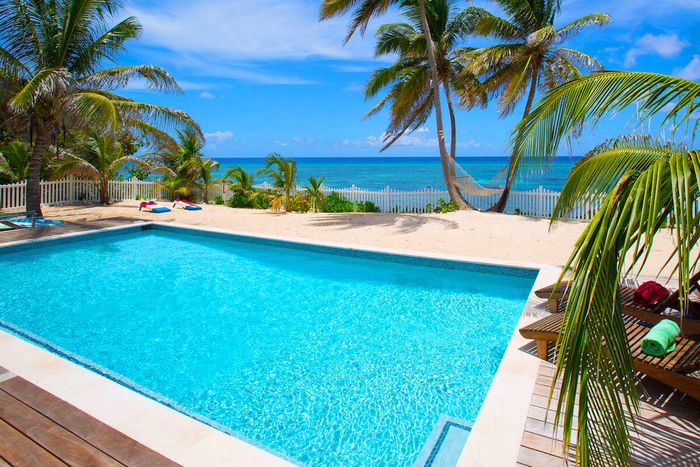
(284, 174)
(529, 56)
(14, 161)
(185, 168)
(409, 79)
(314, 193)
(205, 169)
(100, 157)
(646, 184)
(54, 51)
(363, 12)
(240, 180)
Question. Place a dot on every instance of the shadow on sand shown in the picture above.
(403, 223)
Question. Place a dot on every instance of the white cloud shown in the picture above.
(248, 29)
(218, 136)
(207, 95)
(354, 87)
(691, 71)
(664, 45)
(421, 138)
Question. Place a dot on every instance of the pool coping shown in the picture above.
(494, 439)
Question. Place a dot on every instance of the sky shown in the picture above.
(266, 75)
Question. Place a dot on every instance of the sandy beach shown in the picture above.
(475, 234)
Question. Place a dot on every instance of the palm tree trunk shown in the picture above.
(453, 121)
(41, 144)
(104, 190)
(448, 167)
(502, 202)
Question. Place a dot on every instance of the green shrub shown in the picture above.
(261, 200)
(239, 200)
(443, 206)
(367, 206)
(335, 202)
(219, 200)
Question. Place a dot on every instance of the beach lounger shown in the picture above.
(652, 315)
(184, 204)
(672, 369)
(152, 206)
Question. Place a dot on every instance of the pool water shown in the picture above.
(329, 359)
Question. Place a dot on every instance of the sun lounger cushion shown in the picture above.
(650, 294)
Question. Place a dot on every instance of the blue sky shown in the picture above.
(266, 75)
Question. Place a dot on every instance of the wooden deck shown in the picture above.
(37, 428)
(668, 427)
(15, 235)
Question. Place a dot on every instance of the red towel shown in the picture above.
(650, 294)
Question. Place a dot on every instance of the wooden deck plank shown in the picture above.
(52, 437)
(107, 439)
(18, 450)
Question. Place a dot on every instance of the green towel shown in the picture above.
(661, 339)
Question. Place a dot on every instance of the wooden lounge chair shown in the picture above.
(652, 315)
(672, 369)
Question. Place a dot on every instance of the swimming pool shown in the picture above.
(327, 356)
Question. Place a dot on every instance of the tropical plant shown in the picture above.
(240, 180)
(14, 161)
(314, 193)
(647, 185)
(529, 56)
(205, 175)
(52, 52)
(185, 168)
(284, 174)
(409, 79)
(363, 12)
(98, 157)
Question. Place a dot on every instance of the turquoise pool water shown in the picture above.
(329, 359)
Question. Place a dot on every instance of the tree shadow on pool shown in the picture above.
(403, 223)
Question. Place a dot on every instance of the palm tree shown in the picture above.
(315, 193)
(205, 175)
(240, 179)
(100, 157)
(14, 161)
(411, 93)
(185, 167)
(529, 56)
(646, 184)
(54, 50)
(363, 12)
(284, 175)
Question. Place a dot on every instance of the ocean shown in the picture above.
(405, 173)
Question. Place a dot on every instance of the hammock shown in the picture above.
(470, 186)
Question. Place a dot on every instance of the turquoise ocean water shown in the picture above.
(407, 173)
(329, 359)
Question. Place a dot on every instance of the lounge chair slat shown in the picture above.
(671, 369)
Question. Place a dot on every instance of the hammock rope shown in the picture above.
(470, 186)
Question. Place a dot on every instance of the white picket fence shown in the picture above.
(538, 203)
(73, 190)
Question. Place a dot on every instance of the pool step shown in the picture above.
(445, 443)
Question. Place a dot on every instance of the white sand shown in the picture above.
(475, 234)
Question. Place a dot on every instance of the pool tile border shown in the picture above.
(354, 252)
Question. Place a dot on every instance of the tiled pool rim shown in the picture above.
(381, 254)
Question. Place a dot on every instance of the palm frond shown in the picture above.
(46, 82)
(559, 113)
(156, 78)
(598, 172)
(576, 26)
